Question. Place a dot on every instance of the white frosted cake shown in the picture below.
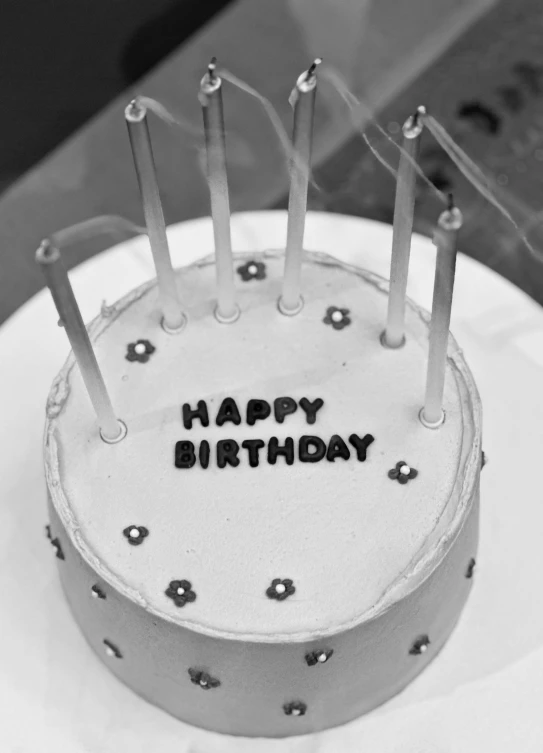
(278, 545)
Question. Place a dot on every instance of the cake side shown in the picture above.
(255, 688)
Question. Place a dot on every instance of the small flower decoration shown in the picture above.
(470, 568)
(280, 589)
(205, 681)
(252, 270)
(180, 591)
(295, 708)
(338, 318)
(420, 645)
(403, 472)
(112, 650)
(136, 534)
(55, 543)
(318, 657)
(140, 351)
(97, 592)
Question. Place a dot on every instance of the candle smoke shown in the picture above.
(239, 153)
(522, 218)
(361, 113)
(290, 153)
(106, 224)
(484, 184)
(168, 117)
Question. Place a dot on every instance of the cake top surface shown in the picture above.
(275, 551)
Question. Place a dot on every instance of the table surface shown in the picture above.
(376, 48)
(484, 690)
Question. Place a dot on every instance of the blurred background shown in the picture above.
(69, 67)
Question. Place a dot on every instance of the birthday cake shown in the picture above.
(278, 544)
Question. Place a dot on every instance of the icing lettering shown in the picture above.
(203, 454)
(253, 446)
(311, 449)
(257, 410)
(228, 412)
(337, 449)
(313, 455)
(361, 445)
(189, 415)
(184, 454)
(286, 450)
(311, 408)
(308, 448)
(227, 453)
(283, 407)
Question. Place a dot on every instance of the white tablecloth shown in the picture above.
(484, 691)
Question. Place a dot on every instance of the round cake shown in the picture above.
(278, 544)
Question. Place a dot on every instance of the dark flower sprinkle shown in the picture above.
(55, 543)
(338, 318)
(140, 351)
(403, 472)
(483, 459)
(318, 657)
(252, 270)
(112, 650)
(470, 568)
(280, 589)
(135, 534)
(180, 591)
(203, 680)
(420, 645)
(97, 592)
(295, 708)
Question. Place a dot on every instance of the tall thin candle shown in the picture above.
(138, 130)
(211, 100)
(404, 206)
(56, 277)
(445, 238)
(304, 93)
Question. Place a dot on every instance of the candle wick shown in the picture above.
(312, 68)
(420, 113)
(450, 202)
(211, 68)
(412, 128)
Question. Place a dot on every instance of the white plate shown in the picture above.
(482, 693)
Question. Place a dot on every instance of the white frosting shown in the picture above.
(352, 540)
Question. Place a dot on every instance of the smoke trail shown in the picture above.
(103, 224)
(167, 116)
(275, 120)
(239, 153)
(362, 112)
(484, 184)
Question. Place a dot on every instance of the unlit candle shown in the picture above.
(56, 277)
(140, 141)
(445, 238)
(401, 233)
(212, 109)
(303, 97)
